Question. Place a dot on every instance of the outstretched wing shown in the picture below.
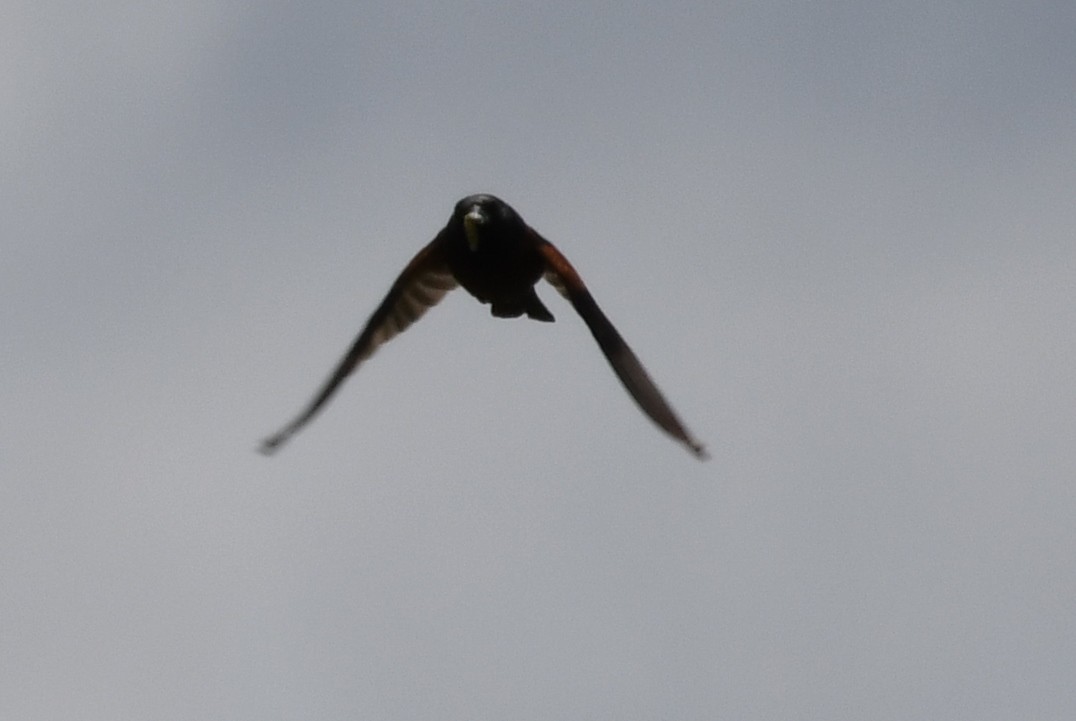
(562, 276)
(421, 285)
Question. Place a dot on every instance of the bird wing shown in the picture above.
(420, 286)
(562, 276)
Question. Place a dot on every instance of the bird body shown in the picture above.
(487, 248)
(493, 256)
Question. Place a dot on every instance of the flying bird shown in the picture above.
(488, 249)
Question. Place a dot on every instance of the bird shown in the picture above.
(487, 248)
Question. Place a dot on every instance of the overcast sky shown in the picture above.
(840, 235)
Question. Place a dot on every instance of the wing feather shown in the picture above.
(420, 286)
(564, 278)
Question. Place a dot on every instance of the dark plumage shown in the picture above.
(488, 249)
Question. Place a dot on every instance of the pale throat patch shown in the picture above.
(471, 221)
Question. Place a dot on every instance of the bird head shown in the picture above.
(485, 216)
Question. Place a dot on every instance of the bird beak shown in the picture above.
(471, 223)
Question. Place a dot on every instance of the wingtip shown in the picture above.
(270, 445)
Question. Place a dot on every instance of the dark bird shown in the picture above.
(488, 249)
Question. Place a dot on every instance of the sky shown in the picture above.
(839, 235)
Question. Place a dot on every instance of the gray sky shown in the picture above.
(840, 236)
